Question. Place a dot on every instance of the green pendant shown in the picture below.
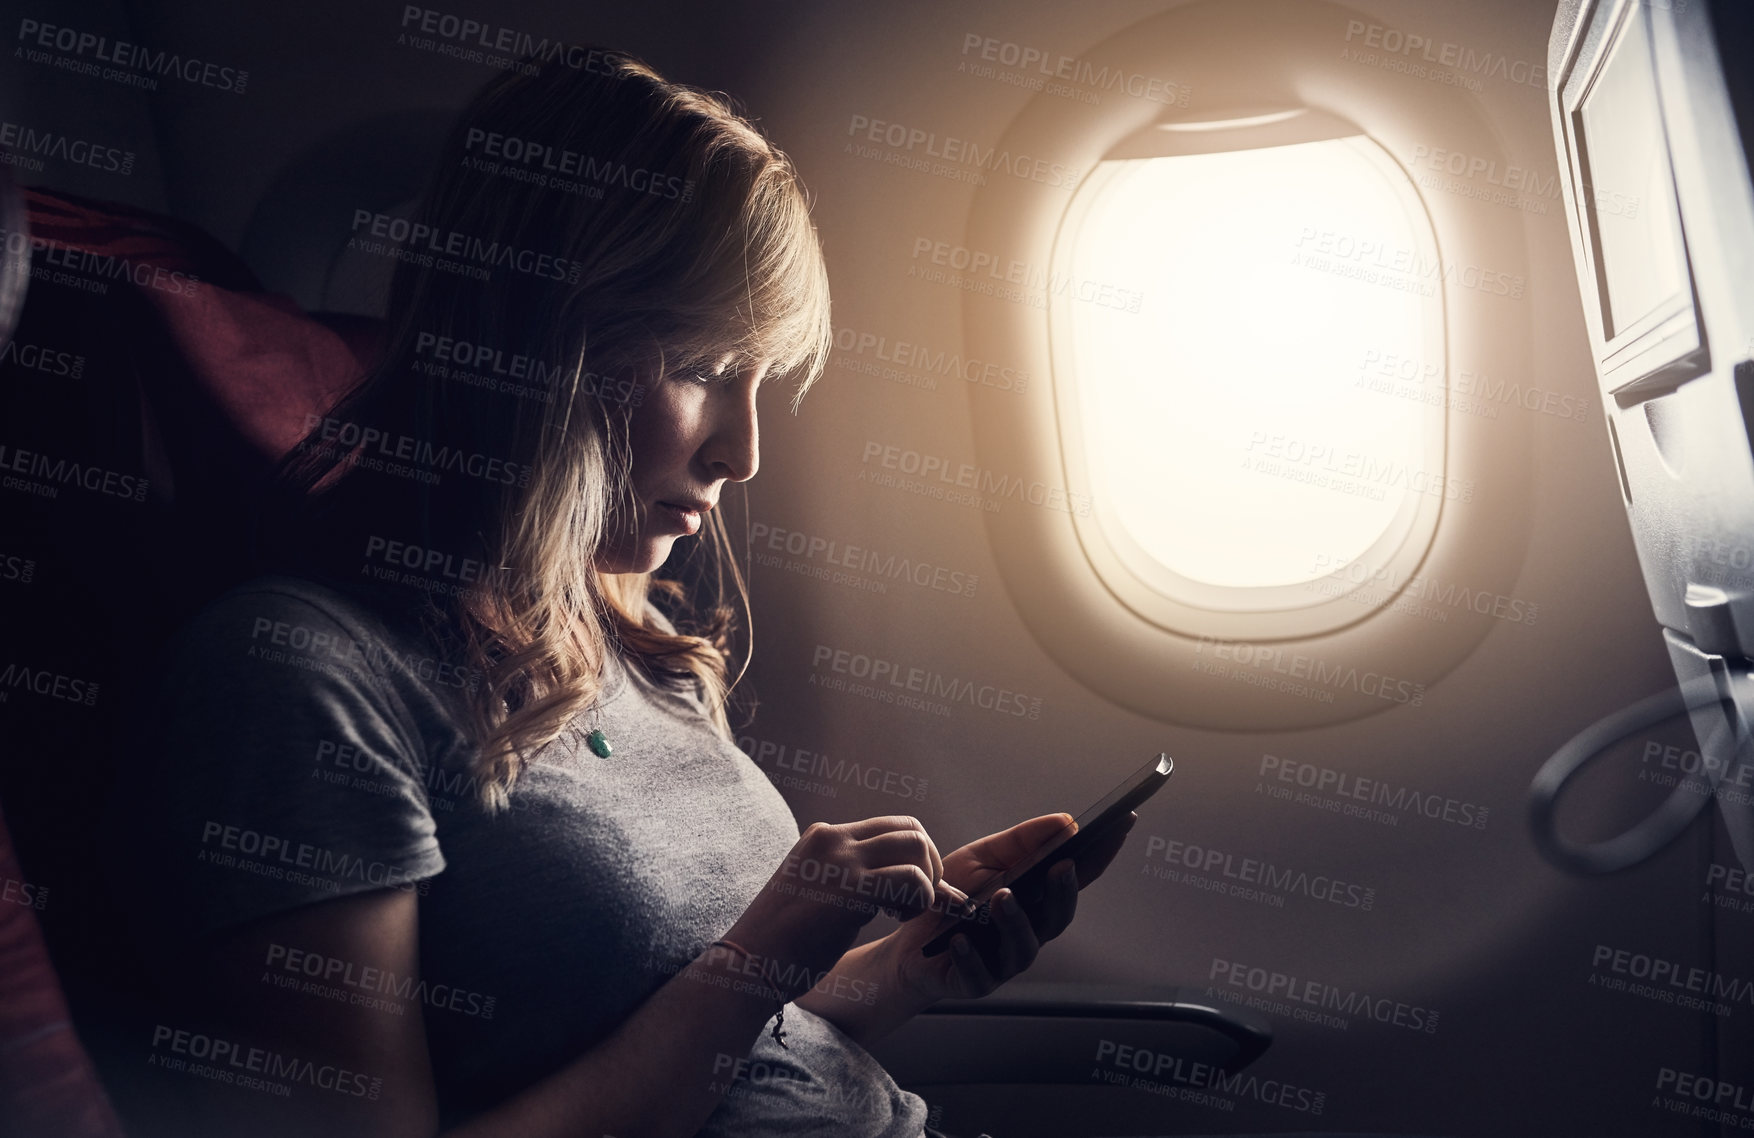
(599, 744)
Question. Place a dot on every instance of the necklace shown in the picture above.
(595, 739)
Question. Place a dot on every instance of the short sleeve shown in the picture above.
(281, 765)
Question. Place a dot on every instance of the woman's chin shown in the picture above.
(643, 556)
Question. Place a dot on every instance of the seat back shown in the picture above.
(48, 1088)
(144, 395)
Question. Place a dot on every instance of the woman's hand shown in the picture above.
(961, 972)
(907, 981)
(834, 880)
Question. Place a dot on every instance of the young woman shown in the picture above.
(440, 827)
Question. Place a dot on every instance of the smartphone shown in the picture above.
(1028, 878)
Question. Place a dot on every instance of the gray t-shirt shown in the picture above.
(306, 748)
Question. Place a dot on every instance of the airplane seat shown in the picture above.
(150, 384)
(1653, 133)
(299, 236)
(48, 1085)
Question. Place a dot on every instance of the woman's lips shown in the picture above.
(686, 518)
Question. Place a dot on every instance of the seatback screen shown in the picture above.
(1629, 188)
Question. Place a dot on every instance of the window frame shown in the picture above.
(1153, 591)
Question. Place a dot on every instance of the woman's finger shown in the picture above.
(899, 847)
(1006, 848)
(1094, 860)
(1059, 901)
(867, 828)
(904, 890)
(881, 824)
(972, 971)
(1018, 943)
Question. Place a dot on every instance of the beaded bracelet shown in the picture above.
(780, 1018)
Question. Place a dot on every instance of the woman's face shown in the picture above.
(690, 434)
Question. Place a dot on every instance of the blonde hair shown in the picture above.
(684, 238)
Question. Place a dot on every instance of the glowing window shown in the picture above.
(1249, 353)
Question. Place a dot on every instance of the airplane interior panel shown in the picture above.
(560, 566)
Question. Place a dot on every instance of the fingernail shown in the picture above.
(959, 945)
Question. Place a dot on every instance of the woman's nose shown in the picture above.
(733, 450)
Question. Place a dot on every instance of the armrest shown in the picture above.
(1054, 1032)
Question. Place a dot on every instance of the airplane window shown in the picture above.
(1232, 438)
